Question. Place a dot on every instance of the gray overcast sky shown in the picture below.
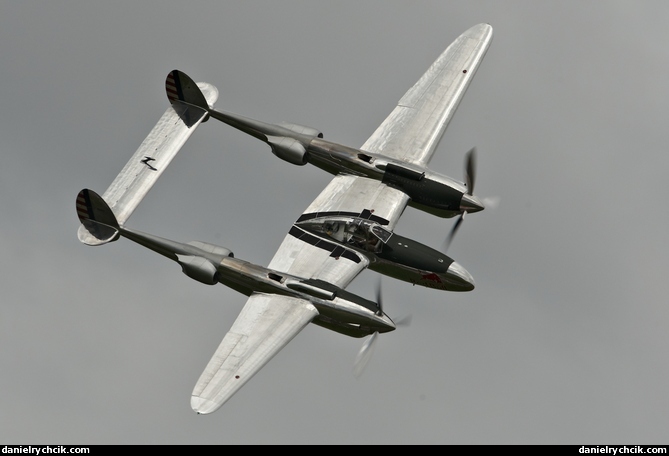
(564, 340)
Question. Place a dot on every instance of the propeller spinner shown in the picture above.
(469, 203)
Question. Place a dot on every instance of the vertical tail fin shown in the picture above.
(98, 222)
(181, 88)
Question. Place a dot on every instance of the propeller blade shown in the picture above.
(470, 170)
(491, 202)
(364, 355)
(378, 296)
(404, 321)
(453, 231)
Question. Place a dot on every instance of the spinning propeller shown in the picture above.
(469, 203)
(365, 353)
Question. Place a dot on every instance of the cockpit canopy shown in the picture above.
(359, 233)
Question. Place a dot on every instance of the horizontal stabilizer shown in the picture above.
(97, 219)
(155, 153)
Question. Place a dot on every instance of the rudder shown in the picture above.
(180, 87)
(98, 222)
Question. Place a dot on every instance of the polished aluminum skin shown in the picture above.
(153, 156)
(401, 147)
(306, 279)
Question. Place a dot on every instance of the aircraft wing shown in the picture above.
(268, 322)
(413, 129)
(411, 133)
(308, 256)
(264, 326)
(156, 151)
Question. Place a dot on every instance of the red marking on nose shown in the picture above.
(432, 277)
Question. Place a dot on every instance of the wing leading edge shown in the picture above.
(413, 129)
(264, 326)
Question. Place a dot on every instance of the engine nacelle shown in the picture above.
(429, 191)
(301, 129)
(198, 268)
(288, 149)
(212, 248)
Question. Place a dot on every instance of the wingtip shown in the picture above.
(479, 29)
(203, 406)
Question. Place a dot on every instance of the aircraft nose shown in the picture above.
(470, 203)
(460, 278)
